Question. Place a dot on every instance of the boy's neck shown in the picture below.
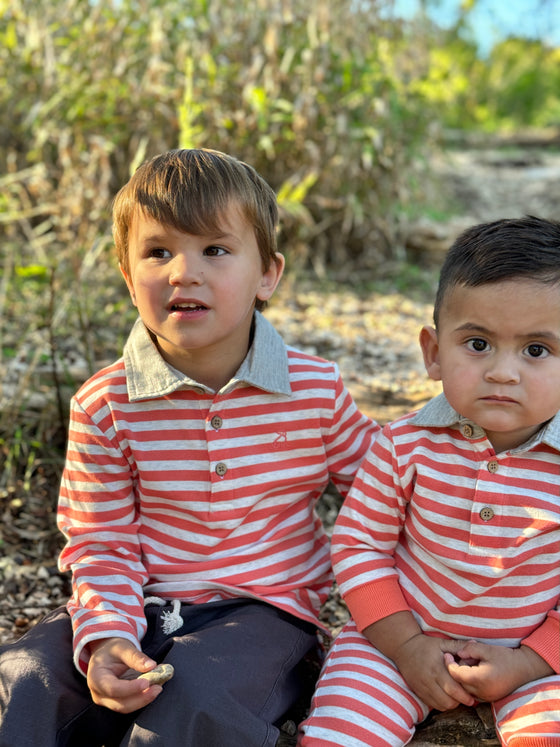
(209, 368)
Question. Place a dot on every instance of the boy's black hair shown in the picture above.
(504, 249)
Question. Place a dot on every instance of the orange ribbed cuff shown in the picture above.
(374, 601)
(545, 641)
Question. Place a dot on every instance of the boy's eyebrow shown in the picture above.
(217, 236)
(471, 326)
(542, 335)
(154, 236)
(537, 334)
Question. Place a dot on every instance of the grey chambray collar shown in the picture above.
(148, 375)
(438, 413)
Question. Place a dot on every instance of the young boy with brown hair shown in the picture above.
(447, 549)
(187, 501)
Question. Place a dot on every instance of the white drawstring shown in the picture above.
(171, 621)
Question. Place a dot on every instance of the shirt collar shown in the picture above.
(148, 375)
(438, 413)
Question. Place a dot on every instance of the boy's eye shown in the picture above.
(477, 344)
(536, 351)
(158, 252)
(215, 251)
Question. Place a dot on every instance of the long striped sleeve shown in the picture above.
(175, 491)
(467, 539)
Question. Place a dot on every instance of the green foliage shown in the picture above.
(515, 88)
(331, 100)
(306, 91)
(519, 86)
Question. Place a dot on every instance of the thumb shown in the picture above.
(449, 659)
(471, 653)
(128, 654)
(138, 660)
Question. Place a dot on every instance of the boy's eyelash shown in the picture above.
(217, 247)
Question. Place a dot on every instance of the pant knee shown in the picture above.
(529, 717)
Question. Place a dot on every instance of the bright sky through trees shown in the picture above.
(493, 20)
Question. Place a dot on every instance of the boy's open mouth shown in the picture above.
(187, 307)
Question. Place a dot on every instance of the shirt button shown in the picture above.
(486, 513)
(467, 430)
(216, 422)
(221, 469)
(493, 466)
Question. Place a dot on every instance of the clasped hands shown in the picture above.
(445, 673)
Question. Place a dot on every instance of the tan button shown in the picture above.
(493, 466)
(221, 469)
(467, 430)
(486, 513)
(216, 422)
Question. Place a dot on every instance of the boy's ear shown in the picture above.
(271, 278)
(430, 351)
(128, 282)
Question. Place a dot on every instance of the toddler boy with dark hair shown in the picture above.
(447, 549)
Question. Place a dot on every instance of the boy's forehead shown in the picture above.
(234, 231)
(505, 286)
(227, 220)
(497, 303)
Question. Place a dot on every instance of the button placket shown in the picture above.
(486, 513)
(486, 517)
(221, 469)
(467, 430)
(216, 422)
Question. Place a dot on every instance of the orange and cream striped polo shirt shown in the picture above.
(173, 490)
(466, 538)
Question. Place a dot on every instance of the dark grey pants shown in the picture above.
(237, 671)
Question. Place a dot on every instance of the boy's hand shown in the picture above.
(112, 658)
(491, 672)
(420, 659)
(421, 662)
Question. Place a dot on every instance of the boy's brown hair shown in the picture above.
(190, 190)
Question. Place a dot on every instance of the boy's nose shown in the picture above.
(503, 369)
(183, 270)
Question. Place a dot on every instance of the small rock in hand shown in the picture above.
(162, 673)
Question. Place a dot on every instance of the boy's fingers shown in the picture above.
(123, 695)
(459, 694)
(471, 650)
(125, 652)
(454, 646)
(454, 685)
(127, 703)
